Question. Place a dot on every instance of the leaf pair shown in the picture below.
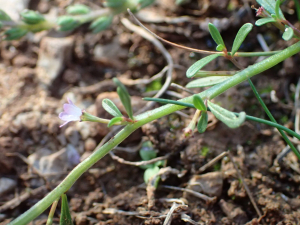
(203, 120)
(240, 37)
(112, 109)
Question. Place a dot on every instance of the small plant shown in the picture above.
(219, 82)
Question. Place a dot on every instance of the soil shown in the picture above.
(35, 152)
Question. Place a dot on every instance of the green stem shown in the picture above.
(251, 54)
(255, 119)
(144, 118)
(287, 140)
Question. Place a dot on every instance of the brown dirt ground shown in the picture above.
(113, 193)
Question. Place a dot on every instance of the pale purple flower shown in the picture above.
(71, 113)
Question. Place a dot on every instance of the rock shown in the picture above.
(234, 213)
(29, 120)
(90, 144)
(210, 183)
(53, 54)
(71, 76)
(52, 165)
(72, 135)
(6, 184)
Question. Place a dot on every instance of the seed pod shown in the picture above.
(78, 9)
(31, 17)
(113, 3)
(101, 23)
(15, 33)
(67, 23)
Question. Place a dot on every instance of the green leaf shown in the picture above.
(113, 3)
(277, 8)
(263, 21)
(288, 34)
(78, 9)
(198, 103)
(147, 154)
(202, 123)
(151, 172)
(32, 17)
(114, 120)
(270, 6)
(227, 117)
(4, 16)
(65, 217)
(125, 97)
(199, 64)
(111, 108)
(220, 48)
(240, 37)
(15, 33)
(101, 24)
(206, 81)
(67, 23)
(215, 34)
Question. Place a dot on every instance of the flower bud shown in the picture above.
(32, 17)
(67, 23)
(15, 33)
(101, 23)
(78, 9)
(113, 3)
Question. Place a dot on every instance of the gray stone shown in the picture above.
(6, 184)
(54, 53)
(72, 136)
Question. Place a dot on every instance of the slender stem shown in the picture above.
(251, 54)
(144, 118)
(255, 119)
(287, 140)
(52, 211)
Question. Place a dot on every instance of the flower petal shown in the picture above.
(72, 110)
(67, 117)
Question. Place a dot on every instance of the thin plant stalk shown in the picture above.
(287, 140)
(51, 213)
(144, 118)
(251, 118)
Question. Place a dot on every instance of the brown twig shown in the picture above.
(207, 199)
(21, 198)
(164, 52)
(141, 163)
(211, 162)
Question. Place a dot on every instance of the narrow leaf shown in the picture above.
(111, 108)
(114, 120)
(206, 81)
(65, 217)
(125, 97)
(215, 34)
(202, 123)
(277, 8)
(240, 37)
(270, 5)
(203, 73)
(288, 34)
(263, 21)
(198, 103)
(199, 64)
(227, 117)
